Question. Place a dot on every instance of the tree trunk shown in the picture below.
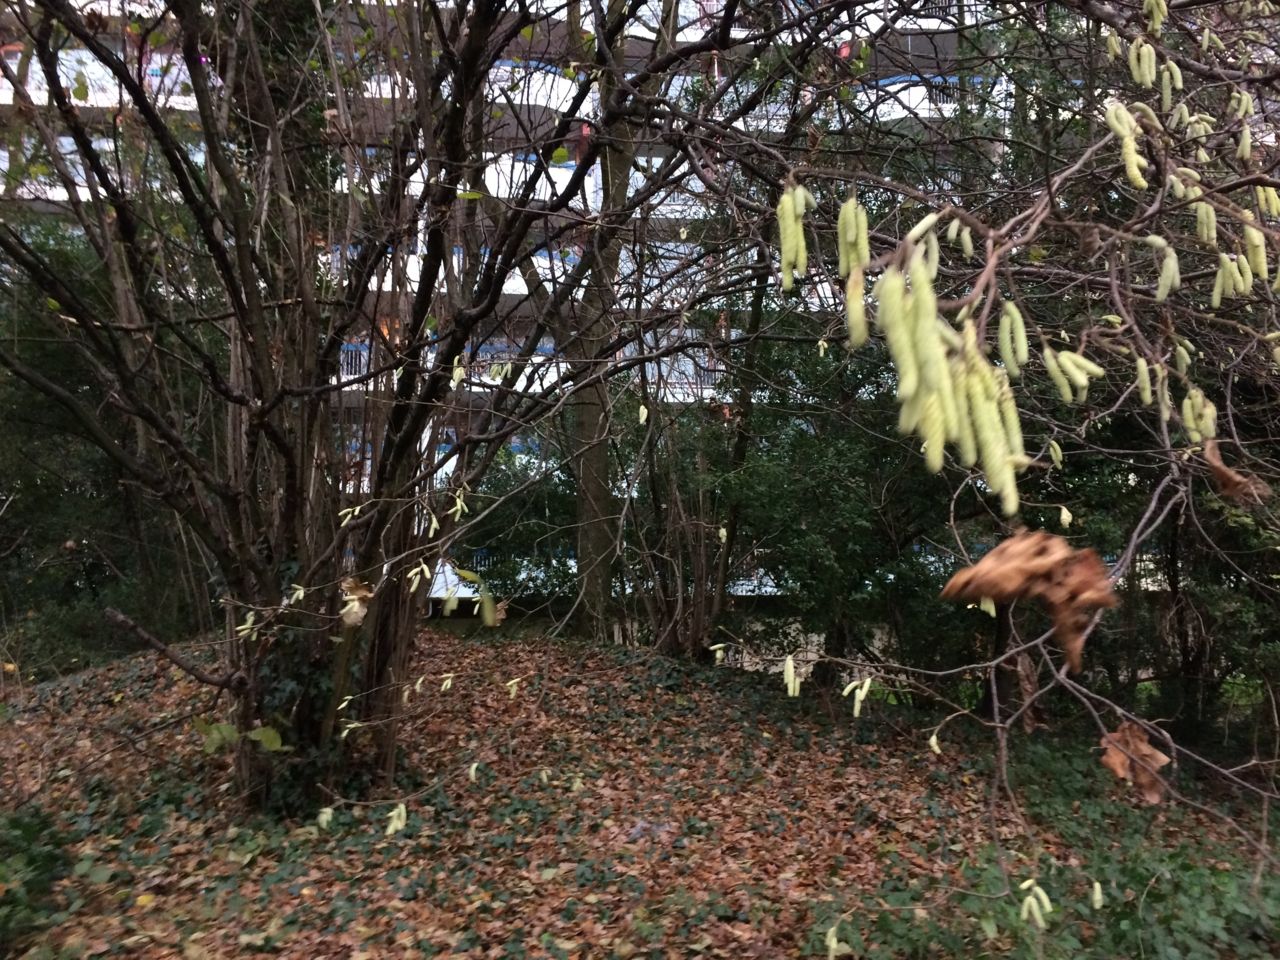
(596, 511)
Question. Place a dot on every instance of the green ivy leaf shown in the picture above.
(268, 738)
(219, 735)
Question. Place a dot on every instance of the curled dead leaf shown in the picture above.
(1003, 574)
(355, 601)
(1038, 565)
(1232, 484)
(500, 612)
(1128, 754)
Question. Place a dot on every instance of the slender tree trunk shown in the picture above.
(596, 510)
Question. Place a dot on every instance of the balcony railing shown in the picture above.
(353, 361)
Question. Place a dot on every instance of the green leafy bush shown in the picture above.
(32, 859)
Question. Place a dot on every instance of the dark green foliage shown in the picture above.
(32, 859)
(1169, 891)
(75, 537)
(523, 545)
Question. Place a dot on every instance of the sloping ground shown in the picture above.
(613, 805)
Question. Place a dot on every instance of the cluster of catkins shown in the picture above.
(1199, 414)
(1071, 373)
(853, 244)
(947, 390)
(796, 201)
(1127, 130)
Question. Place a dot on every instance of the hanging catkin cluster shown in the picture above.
(1170, 81)
(1156, 12)
(1241, 107)
(1012, 337)
(962, 233)
(1142, 63)
(1127, 131)
(1185, 184)
(1170, 274)
(795, 203)
(1071, 373)
(1040, 566)
(947, 391)
(1199, 128)
(1199, 416)
(1161, 391)
(1234, 278)
(1268, 200)
(853, 245)
(1237, 270)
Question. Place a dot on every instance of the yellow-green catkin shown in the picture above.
(1009, 418)
(932, 432)
(1162, 393)
(1073, 371)
(862, 238)
(787, 231)
(966, 442)
(1255, 248)
(846, 235)
(895, 321)
(1012, 336)
(980, 382)
(1057, 375)
(803, 201)
(1144, 382)
(855, 308)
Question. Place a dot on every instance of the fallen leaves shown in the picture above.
(1071, 583)
(1129, 755)
(625, 804)
(669, 813)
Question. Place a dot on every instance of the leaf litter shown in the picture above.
(619, 805)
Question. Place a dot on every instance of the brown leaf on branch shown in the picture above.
(1128, 754)
(1003, 574)
(356, 595)
(1072, 584)
(1072, 592)
(1242, 487)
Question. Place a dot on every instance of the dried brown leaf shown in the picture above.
(1129, 755)
(1072, 584)
(1003, 574)
(1242, 487)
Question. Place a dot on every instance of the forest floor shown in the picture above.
(611, 804)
